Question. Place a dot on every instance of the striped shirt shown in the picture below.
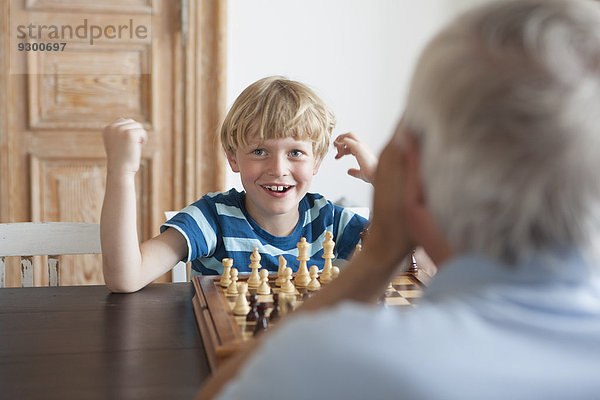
(218, 226)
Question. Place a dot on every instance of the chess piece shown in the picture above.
(328, 246)
(276, 308)
(241, 306)
(253, 313)
(302, 277)
(282, 266)
(288, 286)
(261, 323)
(226, 279)
(335, 272)
(389, 288)
(232, 288)
(264, 287)
(414, 268)
(254, 279)
(314, 284)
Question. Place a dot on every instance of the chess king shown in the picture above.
(494, 170)
(275, 136)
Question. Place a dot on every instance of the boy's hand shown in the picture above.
(347, 144)
(123, 140)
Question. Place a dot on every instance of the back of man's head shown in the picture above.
(506, 102)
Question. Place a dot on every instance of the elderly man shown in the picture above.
(494, 171)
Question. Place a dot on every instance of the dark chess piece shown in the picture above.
(261, 323)
(413, 268)
(276, 308)
(253, 313)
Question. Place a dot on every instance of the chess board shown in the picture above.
(224, 333)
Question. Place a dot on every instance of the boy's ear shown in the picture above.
(232, 162)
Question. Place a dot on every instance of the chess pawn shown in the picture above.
(335, 272)
(314, 282)
(264, 287)
(253, 313)
(226, 279)
(232, 288)
(276, 308)
(254, 279)
(357, 249)
(282, 266)
(288, 286)
(328, 246)
(261, 323)
(241, 306)
(302, 277)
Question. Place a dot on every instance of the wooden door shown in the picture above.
(114, 59)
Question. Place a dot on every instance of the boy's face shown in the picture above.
(276, 174)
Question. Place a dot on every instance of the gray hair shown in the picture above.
(506, 105)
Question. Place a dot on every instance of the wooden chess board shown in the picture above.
(223, 333)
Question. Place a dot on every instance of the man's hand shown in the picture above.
(349, 144)
(123, 140)
(394, 200)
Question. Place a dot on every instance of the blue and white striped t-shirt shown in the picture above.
(218, 226)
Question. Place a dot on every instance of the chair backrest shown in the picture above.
(52, 239)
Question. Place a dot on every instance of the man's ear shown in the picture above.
(232, 162)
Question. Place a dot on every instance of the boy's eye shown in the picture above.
(258, 152)
(296, 153)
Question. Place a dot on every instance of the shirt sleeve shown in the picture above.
(198, 225)
(349, 227)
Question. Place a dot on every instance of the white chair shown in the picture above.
(179, 273)
(52, 239)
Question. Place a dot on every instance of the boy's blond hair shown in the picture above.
(276, 107)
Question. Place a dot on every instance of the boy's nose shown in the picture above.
(278, 166)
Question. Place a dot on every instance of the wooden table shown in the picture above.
(87, 343)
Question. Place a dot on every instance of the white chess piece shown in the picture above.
(288, 286)
(282, 266)
(254, 279)
(264, 287)
(314, 282)
(302, 277)
(335, 272)
(226, 279)
(241, 306)
(232, 288)
(328, 246)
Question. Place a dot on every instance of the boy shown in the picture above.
(275, 135)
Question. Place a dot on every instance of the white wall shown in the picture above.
(357, 54)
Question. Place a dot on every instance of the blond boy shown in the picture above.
(275, 135)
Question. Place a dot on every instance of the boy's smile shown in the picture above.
(276, 174)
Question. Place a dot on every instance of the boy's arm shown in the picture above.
(349, 144)
(127, 266)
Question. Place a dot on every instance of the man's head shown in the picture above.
(505, 104)
(275, 108)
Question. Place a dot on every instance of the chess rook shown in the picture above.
(226, 279)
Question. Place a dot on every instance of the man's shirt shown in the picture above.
(481, 331)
